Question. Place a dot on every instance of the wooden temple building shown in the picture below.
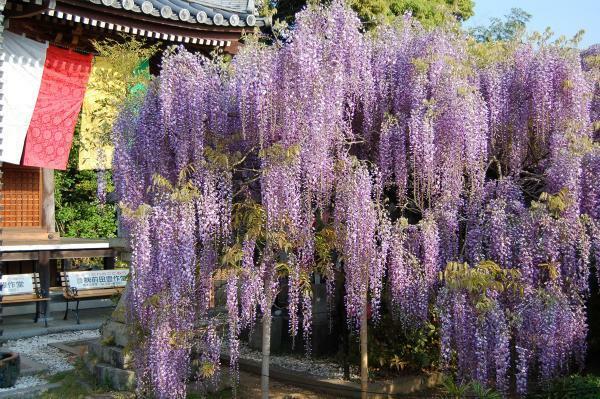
(29, 242)
(197, 24)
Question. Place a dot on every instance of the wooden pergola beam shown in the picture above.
(59, 254)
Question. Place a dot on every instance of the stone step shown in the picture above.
(112, 355)
(119, 379)
(125, 380)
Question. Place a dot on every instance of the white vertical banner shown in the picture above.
(22, 63)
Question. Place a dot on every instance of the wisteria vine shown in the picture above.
(416, 152)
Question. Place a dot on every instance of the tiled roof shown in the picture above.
(233, 13)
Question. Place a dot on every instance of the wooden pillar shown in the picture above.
(43, 268)
(48, 217)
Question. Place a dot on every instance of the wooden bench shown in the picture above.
(93, 284)
(25, 288)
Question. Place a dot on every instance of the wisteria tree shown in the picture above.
(461, 176)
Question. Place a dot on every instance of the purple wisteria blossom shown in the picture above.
(410, 149)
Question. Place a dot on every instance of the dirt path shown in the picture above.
(250, 389)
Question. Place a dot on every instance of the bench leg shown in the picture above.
(66, 310)
(77, 312)
(37, 312)
(45, 314)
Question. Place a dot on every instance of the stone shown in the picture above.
(115, 332)
(119, 379)
(323, 342)
(220, 293)
(107, 359)
(118, 314)
(112, 355)
(203, 388)
(255, 338)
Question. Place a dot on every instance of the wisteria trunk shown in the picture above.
(266, 350)
(364, 354)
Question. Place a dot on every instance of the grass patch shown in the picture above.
(70, 387)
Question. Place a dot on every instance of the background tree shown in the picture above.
(503, 29)
(78, 211)
(373, 12)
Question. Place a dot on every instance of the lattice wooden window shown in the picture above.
(21, 197)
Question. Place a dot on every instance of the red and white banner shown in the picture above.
(43, 89)
(59, 101)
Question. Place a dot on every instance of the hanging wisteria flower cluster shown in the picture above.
(177, 210)
(422, 160)
(357, 226)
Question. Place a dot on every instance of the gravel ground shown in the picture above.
(37, 348)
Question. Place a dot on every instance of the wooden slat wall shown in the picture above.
(21, 197)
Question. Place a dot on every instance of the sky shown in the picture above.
(564, 17)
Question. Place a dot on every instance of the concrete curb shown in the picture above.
(33, 332)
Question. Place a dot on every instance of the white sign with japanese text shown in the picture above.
(15, 284)
(98, 279)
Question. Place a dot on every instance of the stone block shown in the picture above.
(118, 332)
(119, 379)
(114, 356)
(255, 338)
(202, 388)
